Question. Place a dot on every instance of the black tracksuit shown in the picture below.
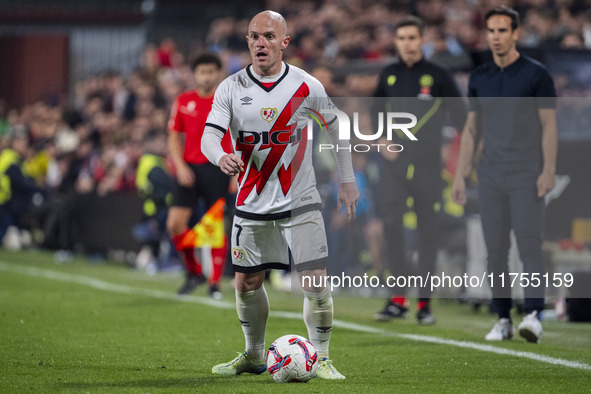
(427, 91)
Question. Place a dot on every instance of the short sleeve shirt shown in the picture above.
(508, 100)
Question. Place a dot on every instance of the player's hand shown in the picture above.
(458, 190)
(347, 197)
(545, 182)
(231, 164)
(185, 176)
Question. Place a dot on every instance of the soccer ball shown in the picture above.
(292, 358)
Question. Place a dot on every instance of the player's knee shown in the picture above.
(248, 282)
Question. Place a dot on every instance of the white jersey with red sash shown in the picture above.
(268, 123)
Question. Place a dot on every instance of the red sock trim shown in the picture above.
(399, 300)
(191, 263)
(185, 240)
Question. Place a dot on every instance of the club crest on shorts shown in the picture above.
(238, 254)
(269, 114)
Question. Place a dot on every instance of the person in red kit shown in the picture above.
(197, 179)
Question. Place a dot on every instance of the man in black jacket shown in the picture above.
(413, 177)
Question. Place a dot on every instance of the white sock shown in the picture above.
(318, 312)
(253, 310)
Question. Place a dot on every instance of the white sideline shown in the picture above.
(123, 289)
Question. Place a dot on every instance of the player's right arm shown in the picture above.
(217, 123)
(211, 146)
(464, 166)
(184, 173)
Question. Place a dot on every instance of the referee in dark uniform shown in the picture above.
(513, 106)
(417, 86)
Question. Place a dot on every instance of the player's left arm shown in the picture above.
(218, 122)
(545, 181)
(347, 194)
(347, 197)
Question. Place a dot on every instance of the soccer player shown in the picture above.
(517, 166)
(196, 177)
(419, 87)
(278, 215)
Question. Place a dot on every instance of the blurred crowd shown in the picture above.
(334, 32)
(91, 142)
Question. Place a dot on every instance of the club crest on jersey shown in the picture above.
(238, 254)
(269, 114)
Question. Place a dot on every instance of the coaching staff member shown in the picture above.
(416, 86)
(513, 104)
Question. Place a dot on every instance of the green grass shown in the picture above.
(56, 336)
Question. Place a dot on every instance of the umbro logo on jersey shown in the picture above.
(246, 100)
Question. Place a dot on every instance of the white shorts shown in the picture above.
(258, 245)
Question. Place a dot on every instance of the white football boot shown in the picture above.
(501, 330)
(531, 328)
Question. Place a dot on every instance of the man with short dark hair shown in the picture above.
(420, 87)
(513, 107)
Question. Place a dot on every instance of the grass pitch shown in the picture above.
(78, 327)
